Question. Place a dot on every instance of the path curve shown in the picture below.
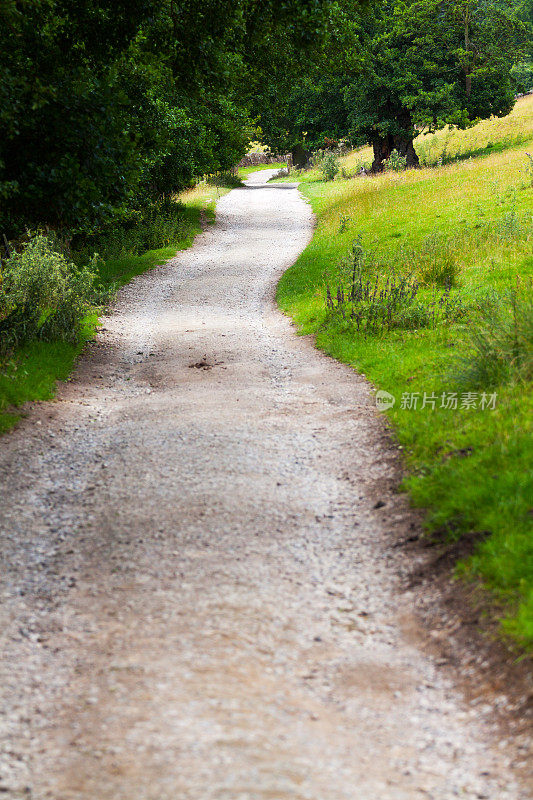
(199, 596)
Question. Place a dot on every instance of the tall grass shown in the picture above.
(490, 136)
(160, 225)
(499, 345)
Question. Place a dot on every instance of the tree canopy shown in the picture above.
(105, 104)
(429, 63)
(390, 70)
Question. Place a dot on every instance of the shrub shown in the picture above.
(225, 180)
(363, 167)
(395, 162)
(43, 295)
(500, 342)
(329, 166)
(158, 225)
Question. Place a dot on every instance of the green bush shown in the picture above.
(225, 180)
(329, 166)
(395, 162)
(43, 295)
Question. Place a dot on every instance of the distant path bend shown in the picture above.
(199, 600)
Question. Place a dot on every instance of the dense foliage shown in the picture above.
(107, 104)
(43, 295)
(392, 69)
(429, 63)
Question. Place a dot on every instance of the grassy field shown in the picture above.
(34, 370)
(490, 136)
(461, 237)
(243, 172)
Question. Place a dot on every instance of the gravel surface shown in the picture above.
(200, 600)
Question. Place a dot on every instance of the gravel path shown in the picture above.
(200, 599)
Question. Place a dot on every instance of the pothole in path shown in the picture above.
(205, 364)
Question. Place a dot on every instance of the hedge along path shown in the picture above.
(200, 597)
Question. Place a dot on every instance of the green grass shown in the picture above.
(471, 469)
(33, 373)
(35, 369)
(243, 172)
(122, 270)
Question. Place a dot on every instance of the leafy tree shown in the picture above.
(428, 63)
(523, 71)
(108, 104)
(300, 99)
(66, 154)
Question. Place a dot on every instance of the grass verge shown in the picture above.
(463, 231)
(244, 172)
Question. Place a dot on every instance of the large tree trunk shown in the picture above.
(406, 148)
(300, 156)
(384, 145)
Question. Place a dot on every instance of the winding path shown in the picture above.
(200, 599)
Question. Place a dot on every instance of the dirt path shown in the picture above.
(199, 599)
